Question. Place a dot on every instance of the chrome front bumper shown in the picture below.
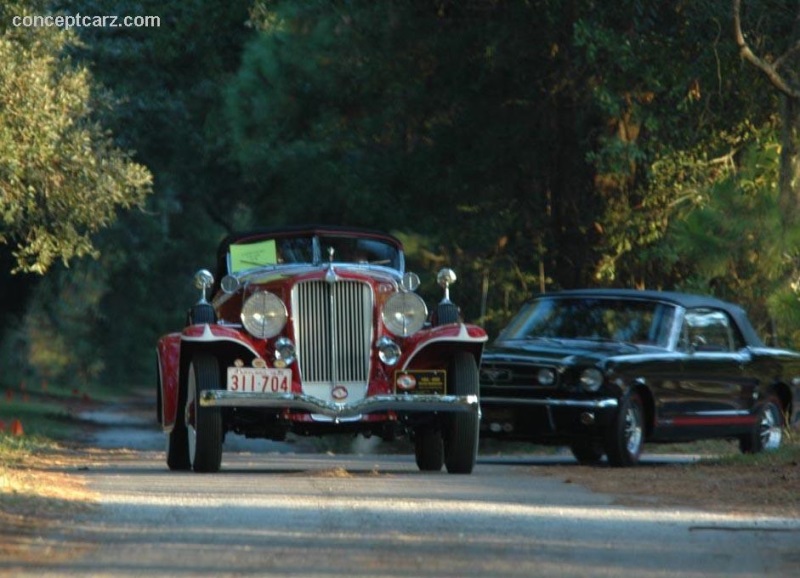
(549, 402)
(376, 403)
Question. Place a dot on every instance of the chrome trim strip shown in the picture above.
(722, 413)
(376, 403)
(588, 404)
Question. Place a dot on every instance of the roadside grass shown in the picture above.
(49, 410)
(38, 424)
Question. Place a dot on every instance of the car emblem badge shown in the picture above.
(406, 381)
(339, 393)
(258, 362)
(496, 375)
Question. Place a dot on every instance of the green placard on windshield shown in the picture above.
(253, 255)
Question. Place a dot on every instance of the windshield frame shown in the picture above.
(269, 248)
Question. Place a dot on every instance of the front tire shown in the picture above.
(461, 433)
(588, 453)
(428, 449)
(625, 436)
(203, 424)
(767, 433)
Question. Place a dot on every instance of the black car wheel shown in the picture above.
(624, 438)
(587, 452)
(178, 446)
(202, 313)
(203, 424)
(461, 435)
(428, 449)
(446, 313)
(767, 433)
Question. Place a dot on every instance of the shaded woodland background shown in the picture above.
(530, 145)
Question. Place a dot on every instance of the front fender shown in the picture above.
(168, 353)
(175, 351)
(428, 349)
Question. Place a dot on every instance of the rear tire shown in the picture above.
(624, 438)
(177, 442)
(428, 449)
(203, 424)
(461, 433)
(767, 433)
(178, 447)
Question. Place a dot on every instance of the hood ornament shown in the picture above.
(330, 276)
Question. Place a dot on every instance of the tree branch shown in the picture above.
(768, 69)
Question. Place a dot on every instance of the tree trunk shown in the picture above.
(789, 179)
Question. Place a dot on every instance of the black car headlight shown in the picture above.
(591, 379)
(546, 376)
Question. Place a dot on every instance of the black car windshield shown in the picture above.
(284, 250)
(597, 319)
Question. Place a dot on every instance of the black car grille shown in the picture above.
(333, 329)
(506, 374)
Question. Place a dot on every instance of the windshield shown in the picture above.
(314, 250)
(596, 319)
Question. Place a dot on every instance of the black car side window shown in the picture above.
(708, 330)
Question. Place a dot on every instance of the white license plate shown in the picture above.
(259, 379)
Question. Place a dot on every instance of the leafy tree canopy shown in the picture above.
(62, 179)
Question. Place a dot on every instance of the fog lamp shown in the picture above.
(388, 351)
(284, 352)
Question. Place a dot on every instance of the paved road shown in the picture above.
(272, 513)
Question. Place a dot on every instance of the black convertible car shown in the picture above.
(604, 370)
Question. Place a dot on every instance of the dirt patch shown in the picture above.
(768, 487)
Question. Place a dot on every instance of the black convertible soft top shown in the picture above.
(686, 300)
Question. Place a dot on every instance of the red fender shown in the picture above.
(170, 349)
(447, 338)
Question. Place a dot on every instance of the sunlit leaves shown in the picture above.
(61, 177)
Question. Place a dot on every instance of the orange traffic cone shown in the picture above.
(16, 428)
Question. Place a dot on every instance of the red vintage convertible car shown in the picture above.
(316, 330)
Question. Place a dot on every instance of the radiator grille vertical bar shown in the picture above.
(333, 329)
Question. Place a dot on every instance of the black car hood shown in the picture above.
(557, 352)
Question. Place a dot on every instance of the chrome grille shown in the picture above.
(333, 330)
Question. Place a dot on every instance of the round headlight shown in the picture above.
(546, 376)
(591, 379)
(404, 314)
(263, 315)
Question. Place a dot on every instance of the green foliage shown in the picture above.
(166, 84)
(729, 241)
(61, 177)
